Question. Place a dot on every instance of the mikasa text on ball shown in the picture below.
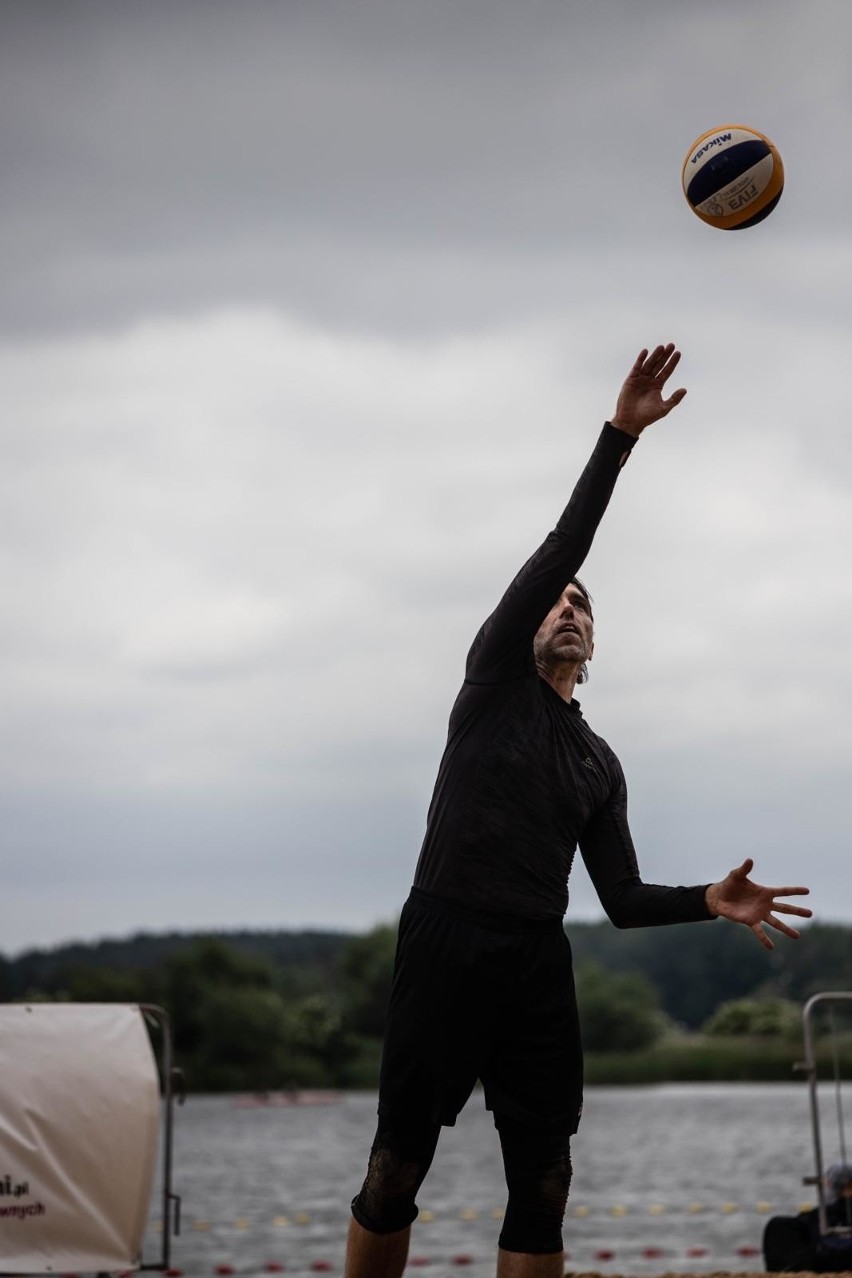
(732, 177)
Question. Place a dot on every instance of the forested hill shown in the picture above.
(312, 954)
(694, 967)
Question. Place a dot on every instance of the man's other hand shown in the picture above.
(742, 901)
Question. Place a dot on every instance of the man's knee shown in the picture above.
(538, 1177)
(399, 1160)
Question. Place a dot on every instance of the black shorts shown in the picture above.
(477, 997)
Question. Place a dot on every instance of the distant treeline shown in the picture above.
(311, 957)
(271, 1010)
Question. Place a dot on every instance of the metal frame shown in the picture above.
(809, 1067)
(172, 1082)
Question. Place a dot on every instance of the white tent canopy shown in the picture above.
(79, 1126)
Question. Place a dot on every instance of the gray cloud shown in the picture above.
(380, 164)
(310, 316)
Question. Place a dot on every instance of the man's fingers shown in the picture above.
(784, 907)
(656, 363)
(674, 399)
(669, 367)
(782, 927)
(762, 937)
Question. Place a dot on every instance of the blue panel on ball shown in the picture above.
(724, 167)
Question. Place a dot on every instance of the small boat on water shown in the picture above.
(281, 1100)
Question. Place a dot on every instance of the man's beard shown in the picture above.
(570, 650)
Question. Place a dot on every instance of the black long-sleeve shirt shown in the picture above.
(523, 779)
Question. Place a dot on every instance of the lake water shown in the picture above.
(668, 1178)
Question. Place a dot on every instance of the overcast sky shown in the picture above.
(310, 316)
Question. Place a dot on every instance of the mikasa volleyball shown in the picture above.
(732, 177)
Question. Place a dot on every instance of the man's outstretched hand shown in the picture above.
(640, 401)
(742, 901)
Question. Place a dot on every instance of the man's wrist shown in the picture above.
(711, 899)
(626, 429)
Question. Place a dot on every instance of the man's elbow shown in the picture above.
(620, 917)
(623, 907)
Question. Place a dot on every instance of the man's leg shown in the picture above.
(370, 1255)
(537, 1163)
(516, 1264)
(382, 1213)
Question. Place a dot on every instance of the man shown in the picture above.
(483, 987)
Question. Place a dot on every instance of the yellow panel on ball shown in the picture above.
(732, 177)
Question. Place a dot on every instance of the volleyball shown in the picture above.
(732, 177)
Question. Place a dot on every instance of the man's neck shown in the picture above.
(561, 677)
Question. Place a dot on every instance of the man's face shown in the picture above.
(567, 632)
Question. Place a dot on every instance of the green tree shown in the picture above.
(820, 960)
(319, 1033)
(619, 1011)
(693, 967)
(186, 978)
(761, 1017)
(237, 1026)
(86, 984)
(366, 970)
(244, 1037)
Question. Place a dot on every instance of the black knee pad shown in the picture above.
(538, 1177)
(401, 1156)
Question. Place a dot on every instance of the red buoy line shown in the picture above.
(602, 1255)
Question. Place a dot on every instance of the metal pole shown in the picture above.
(811, 1069)
(810, 1065)
(160, 1016)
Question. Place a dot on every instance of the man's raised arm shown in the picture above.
(503, 648)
